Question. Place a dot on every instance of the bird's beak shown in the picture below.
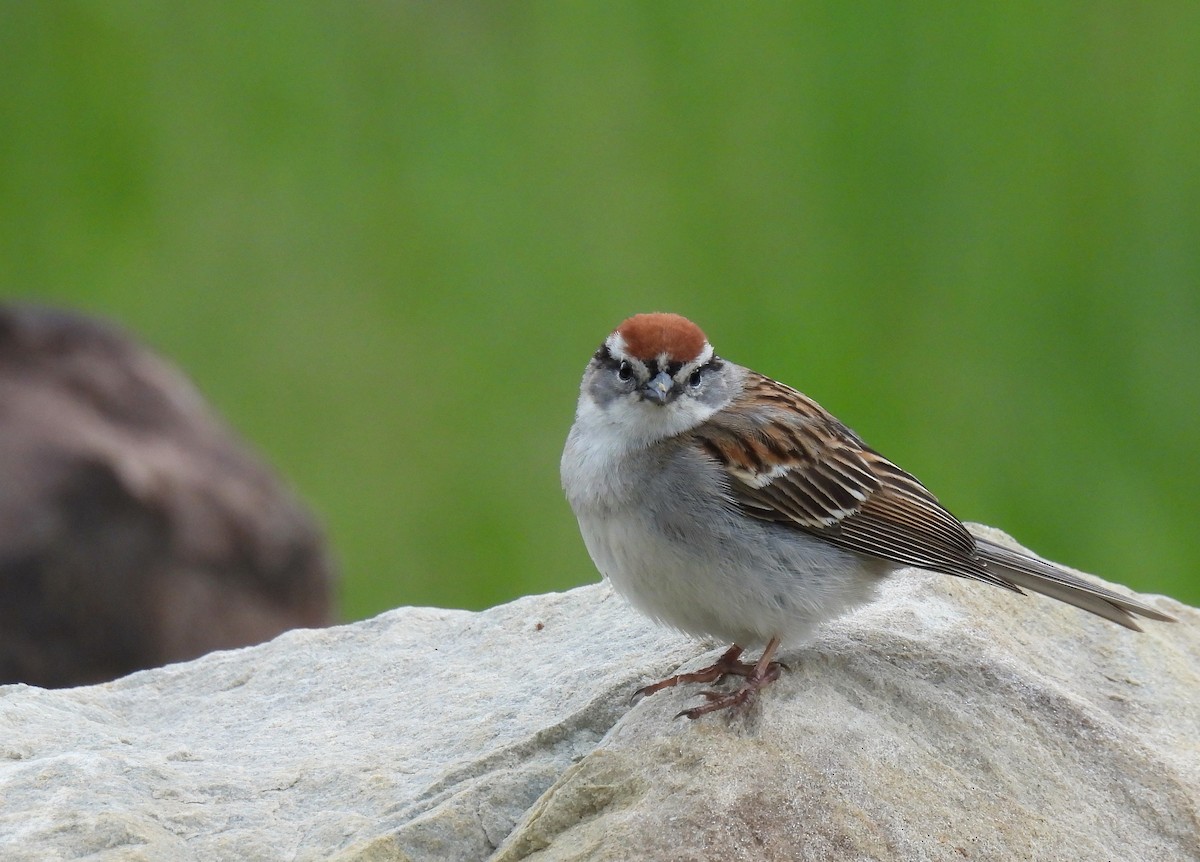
(660, 389)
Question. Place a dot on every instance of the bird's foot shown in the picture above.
(755, 677)
(726, 665)
(741, 697)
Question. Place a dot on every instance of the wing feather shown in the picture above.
(790, 461)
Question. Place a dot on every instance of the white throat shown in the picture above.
(636, 425)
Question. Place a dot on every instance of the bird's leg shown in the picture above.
(726, 665)
(761, 674)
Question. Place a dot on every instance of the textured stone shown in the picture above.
(949, 720)
(136, 528)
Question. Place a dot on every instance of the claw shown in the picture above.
(756, 677)
(726, 665)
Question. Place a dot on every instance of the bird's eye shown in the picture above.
(625, 371)
(695, 378)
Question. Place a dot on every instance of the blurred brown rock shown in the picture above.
(135, 528)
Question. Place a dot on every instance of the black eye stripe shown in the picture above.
(603, 356)
(704, 370)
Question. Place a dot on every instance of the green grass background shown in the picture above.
(384, 239)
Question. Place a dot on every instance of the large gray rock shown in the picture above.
(949, 720)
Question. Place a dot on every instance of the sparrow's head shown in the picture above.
(656, 376)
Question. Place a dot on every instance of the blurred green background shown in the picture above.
(384, 239)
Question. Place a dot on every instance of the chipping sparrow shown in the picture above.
(727, 505)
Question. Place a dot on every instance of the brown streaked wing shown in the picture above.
(792, 462)
(788, 459)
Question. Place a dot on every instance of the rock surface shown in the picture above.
(948, 720)
(136, 528)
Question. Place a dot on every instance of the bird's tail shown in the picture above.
(1040, 576)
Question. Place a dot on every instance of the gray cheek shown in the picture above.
(720, 389)
(603, 387)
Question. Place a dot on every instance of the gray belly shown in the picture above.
(728, 577)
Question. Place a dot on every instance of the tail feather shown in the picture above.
(1031, 573)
